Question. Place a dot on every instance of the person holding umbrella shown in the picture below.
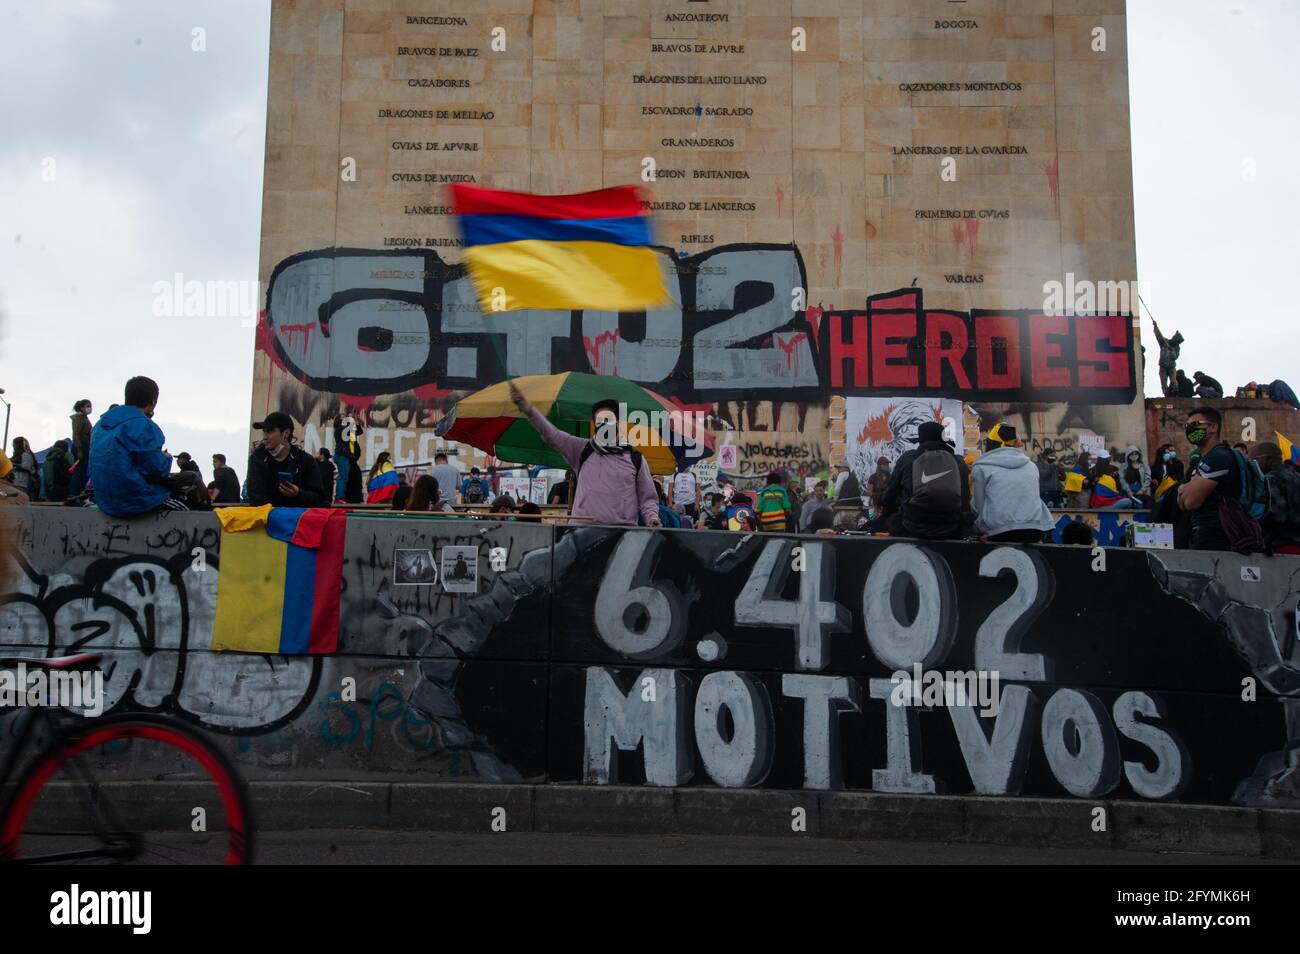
(612, 481)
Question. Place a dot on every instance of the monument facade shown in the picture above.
(867, 205)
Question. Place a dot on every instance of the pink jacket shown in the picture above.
(608, 492)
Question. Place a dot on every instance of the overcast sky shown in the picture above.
(126, 157)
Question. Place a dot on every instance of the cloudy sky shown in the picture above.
(127, 158)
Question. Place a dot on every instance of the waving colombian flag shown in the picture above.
(1290, 450)
(280, 579)
(559, 252)
(381, 487)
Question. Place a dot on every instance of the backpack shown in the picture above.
(936, 483)
(771, 509)
(1284, 502)
(474, 492)
(1253, 496)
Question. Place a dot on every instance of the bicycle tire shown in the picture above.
(234, 793)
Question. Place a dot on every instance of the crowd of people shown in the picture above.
(1224, 497)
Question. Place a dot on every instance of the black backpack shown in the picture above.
(936, 483)
(1283, 518)
(474, 492)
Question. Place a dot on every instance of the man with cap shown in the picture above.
(1004, 492)
(928, 495)
(280, 473)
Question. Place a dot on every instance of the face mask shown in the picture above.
(1133, 458)
(1196, 433)
(1170, 455)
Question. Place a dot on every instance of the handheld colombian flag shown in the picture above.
(280, 580)
(1290, 449)
(559, 252)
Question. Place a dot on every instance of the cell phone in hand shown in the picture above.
(285, 477)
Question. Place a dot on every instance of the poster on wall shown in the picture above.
(459, 569)
(887, 427)
(517, 487)
(727, 457)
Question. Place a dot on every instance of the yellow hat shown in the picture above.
(1003, 434)
(5, 465)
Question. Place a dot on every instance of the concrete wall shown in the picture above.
(1166, 418)
(675, 658)
(912, 172)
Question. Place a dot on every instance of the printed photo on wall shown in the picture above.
(460, 569)
(414, 568)
(887, 427)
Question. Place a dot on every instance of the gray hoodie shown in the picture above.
(1004, 493)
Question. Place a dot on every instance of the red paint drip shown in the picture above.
(264, 340)
(837, 240)
(304, 329)
(1052, 170)
(788, 347)
(780, 197)
(972, 234)
(597, 353)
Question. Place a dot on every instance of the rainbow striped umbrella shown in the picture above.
(489, 420)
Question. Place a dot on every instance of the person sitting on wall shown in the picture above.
(281, 474)
(130, 471)
(9, 491)
(1206, 386)
(1281, 523)
(822, 522)
(877, 483)
(1278, 391)
(1109, 491)
(713, 514)
(814, 505)
(503, 507)
(612, 480)
(1183, 385)
(929, 494)
(1051, 476)
(224, 486)
(1004, 492)
(427, 496)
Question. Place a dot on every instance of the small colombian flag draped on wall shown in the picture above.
(280, 579)
(559, 252)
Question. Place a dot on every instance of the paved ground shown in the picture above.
(422, 847)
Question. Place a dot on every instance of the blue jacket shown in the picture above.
(127, 466)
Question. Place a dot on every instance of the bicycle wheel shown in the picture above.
(129, 788)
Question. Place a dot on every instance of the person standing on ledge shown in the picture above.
(612, 481)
